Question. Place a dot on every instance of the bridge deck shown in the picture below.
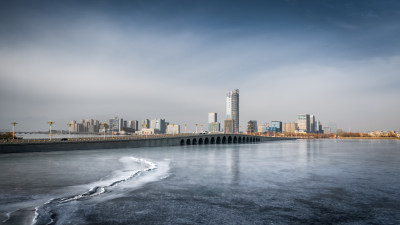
(42, 145)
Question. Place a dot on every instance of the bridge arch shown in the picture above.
(224, 140)
(194, 142)
(230, 139)
(218, 140)
(240, 140)
(200, 141)
(188, 142)
(235, 139)
(182, 142)
(206, 141)
(247, 139)
(212, 140)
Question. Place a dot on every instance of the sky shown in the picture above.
(71, 60)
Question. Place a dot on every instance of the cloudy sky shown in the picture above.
(65, 60)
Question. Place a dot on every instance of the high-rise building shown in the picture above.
(158, 125)
(228, 126)
(232, 108)
(133, 124)
(73, 126)
(303, 123)
(252, 126)
(214, 127)
(289, 127)
(212, 117)
(114, 124)
(317, 127)
(173, 129)
(145, 124)
(312, 122)
(121, 125)
(277, 125)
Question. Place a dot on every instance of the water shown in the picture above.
(285, 182)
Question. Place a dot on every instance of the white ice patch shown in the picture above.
(140, 166)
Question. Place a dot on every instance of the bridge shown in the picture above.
(41, 145)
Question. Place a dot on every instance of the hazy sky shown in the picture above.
(65, 60)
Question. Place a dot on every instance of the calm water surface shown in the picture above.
(286, 182)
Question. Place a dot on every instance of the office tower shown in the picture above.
(317, 125)
(212, 117)
(289, 127)
(232, 108)
(158, 125)
(133, 124)
(73, 126)
(303, 123)
(228, 126)
(114, 124)
(312, 122)
(173, 129)
(121, 125)
(252, 126)
(277, 125)
(214, 127)
(145, 123)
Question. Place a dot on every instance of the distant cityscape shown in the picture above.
(306, 125)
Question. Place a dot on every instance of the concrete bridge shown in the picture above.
(131, 142)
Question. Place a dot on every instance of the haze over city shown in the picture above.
(339, 60)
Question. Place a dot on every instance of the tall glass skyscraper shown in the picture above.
(303, 123)
(232, 108)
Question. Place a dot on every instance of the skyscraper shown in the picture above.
(114, 124)
(312, 122)
(303, 123)
(158, 125)
(212, 117)
(232, 108)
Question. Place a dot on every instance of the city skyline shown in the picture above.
(336, 60)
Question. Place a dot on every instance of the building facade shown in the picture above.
(158, 125)
(277, 125)
(232, 108)
(214, 127)
(212, 117)
(145, 124)
(173, 129)
(114, 124)
(303, 123)
(289, 127)
(228, 126)
(252, 126)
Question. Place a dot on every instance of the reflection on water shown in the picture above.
(235, 156)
